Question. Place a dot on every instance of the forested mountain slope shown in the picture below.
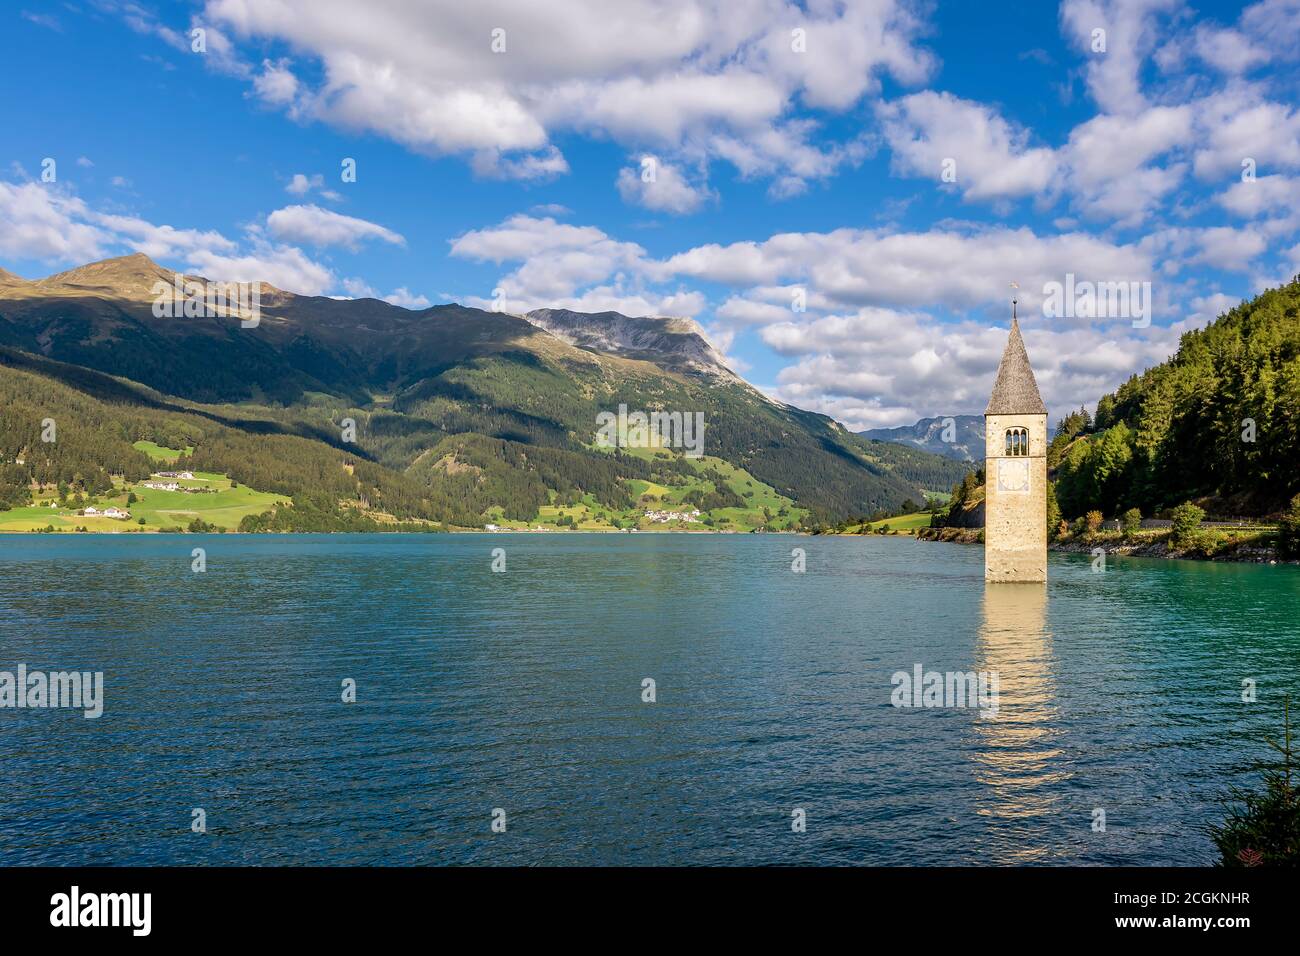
(359, 399)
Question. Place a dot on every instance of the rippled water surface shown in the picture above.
(522, 690)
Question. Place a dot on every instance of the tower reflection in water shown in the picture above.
(1018, 758)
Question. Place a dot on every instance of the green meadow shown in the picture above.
(904, 524)
(222, 505)
(762, 506)
(161, 454)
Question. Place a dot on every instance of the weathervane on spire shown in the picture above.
(1016, 286)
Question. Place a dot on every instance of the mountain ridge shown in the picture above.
(967, 443)
(415, 380)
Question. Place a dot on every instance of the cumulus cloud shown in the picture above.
(1129, 33)
(947, 267)
(688, 77)
(557, 265)
(285, 267)
(556, 259)
(1237, 125)
(661, 187)
(301, 184)
(323, 227)
(881, 368)
(1111, 162)
(1250, 198)
(38, 222)
(1227, 50)
(407, 299)
(545, 163)
(989, 157)
(276, 84)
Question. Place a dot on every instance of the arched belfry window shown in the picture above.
(1017, 444)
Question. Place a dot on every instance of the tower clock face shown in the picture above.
(1013, 475)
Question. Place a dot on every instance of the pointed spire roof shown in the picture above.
(1015, 392)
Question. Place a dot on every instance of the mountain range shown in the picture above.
(963, 442)
(457, 414)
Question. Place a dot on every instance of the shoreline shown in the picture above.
(1114, 543)
(563, 531)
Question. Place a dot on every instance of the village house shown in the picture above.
(121, 514)
(183, 475)
(662, 517)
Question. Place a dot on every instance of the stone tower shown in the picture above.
(1015, 468)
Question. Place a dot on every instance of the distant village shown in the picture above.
(168, 481)
(663, 517)
(655, 517)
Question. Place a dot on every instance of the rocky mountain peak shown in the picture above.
(673, 342)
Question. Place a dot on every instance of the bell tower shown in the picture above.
(1015, 469)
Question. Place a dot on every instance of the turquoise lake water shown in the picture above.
(522, 691)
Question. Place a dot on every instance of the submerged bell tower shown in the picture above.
(1015, 469)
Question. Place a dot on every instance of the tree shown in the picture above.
(1289, 534)
(1092, 520)
(1265, 829)
(1053, 511)
(1105, 412)
(1187, 519)
(1132, 521)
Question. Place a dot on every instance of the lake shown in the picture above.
(522, 691)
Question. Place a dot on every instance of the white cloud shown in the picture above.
(1236, 125)
(39, 222)
(302, 184)
(1110, 161)
(944, 267)
(693, 78)
(406, 299)
(545, 163)
(276, 85)
(1265, 194)
(991, 159)
(1208, 308)
(1130, 36)
(556, 260)
(402, 296)
(1275, 24)
(1225, 247)
(882, 368)
(323, 227)
(161, 242)
(661, 187)
(571, 267)
(285, 267)
(1229, 51)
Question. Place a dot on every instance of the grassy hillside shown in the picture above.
(222, 506)
(112, 435)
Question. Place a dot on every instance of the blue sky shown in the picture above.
(798, 153)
